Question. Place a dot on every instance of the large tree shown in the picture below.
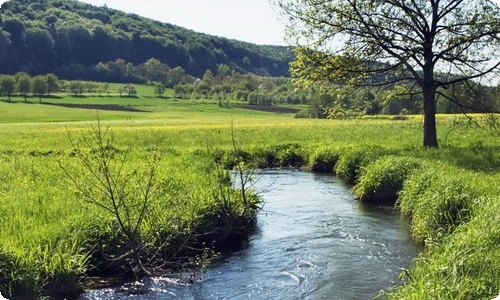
(425, 46)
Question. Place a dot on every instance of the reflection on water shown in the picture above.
(314, 242)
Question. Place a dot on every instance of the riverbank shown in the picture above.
(313, 240)
(50, 238)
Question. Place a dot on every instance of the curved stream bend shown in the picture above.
(314, 242)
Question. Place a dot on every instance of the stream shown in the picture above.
(314, 241)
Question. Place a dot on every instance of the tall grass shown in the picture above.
(48, 239)
(382, 180)
(352, 161)
(464, 265)
(438, 203)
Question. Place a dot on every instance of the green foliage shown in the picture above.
(7, 85)
(353, 160)
(437, 203)
(455, 189)
(40, 86)
(466, 265)
(350, 45)
(286, 155)
(324, 159)
(382, 180)
(76, 87)
(24, 85)
(71, 38)
(159, 89)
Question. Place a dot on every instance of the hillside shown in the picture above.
(70, 39)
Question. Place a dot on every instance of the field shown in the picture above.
(50, 237)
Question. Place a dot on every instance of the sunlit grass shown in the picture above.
(42, 217)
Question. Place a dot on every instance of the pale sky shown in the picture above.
(252, 21)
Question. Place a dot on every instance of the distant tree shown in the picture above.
(183, 91)
(7, 85)
(17, 48)
(159, 89)
(41, 50)
(223, 70)
(179, 91)
(241, 95)
(203, 57)
(4, 44)
(52, 84)
(131, 90)
(24, 85)
(76, 87)
(80, 42)
(246, 61)
(155, 70)
(90, 87)
(208, 77)
(267, 86)
(421, 46)
(176, 76)
(205, 86)
(40, 86)
(102, 39)
(122, 89)
(105, 87)
(118, 68)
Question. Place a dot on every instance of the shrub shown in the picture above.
(382, 180)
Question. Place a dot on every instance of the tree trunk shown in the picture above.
(430, 131)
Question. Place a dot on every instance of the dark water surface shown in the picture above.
(314, 241)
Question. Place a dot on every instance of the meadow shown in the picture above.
(52, 239)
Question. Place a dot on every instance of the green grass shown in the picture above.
(48, 237)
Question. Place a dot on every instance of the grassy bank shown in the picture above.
(51, 239)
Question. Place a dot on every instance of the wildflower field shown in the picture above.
(173, 155)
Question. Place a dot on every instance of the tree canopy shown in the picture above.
(51, 36)
(417, 48)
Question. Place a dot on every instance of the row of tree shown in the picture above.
(469, 97)
(40, 86)
(24, 85)
(250, 88)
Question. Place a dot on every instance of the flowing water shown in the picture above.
(314, 241)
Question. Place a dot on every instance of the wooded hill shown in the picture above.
(70, 39)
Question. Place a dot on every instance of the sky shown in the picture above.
(253, 21)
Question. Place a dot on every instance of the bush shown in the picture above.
(382, 180)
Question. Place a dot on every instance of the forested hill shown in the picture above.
(71, 38)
